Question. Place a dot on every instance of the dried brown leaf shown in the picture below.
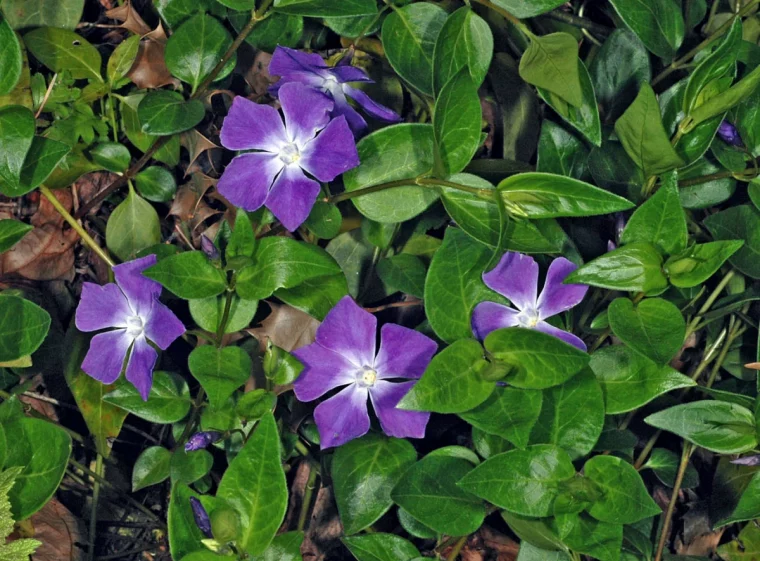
(58, 530)
(149, 69)
(189, 196)
(196, 144)
(130, 19)
(286, 327)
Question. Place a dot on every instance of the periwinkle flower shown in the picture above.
(274, 175)
(728, 134)
(201, 440)
(201, 517)
(132, 309)
(747, 461)
(209, 248)
(309, 69)
(344, 355)
(516, 278)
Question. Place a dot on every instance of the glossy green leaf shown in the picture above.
(355, 255)
(324, 221)
(242, 241)
(636, 267)
(429, 492)
(189, 467)
(521, 481)
(23, 14)
(315, 296)
(16, 134)
(111, 156)
(277, 29)
(43, 157)
(184, 535)
(658, 23)
(364, 471)
(451, 383)
(254, 484)
(560, 152)
(600, 540)
(696, 264)
(188, 275)
(745, 547)
(220, 371)
(510, 413)
(122, 59)
(151, 467)
(23, 327)
(284, 547)
(319, 8)
(391, 154)
(11, 60)
(133, 226)
(624, 498)
(630, 380)
(465, 41)
(156, 184)
(551, 62)
(739, 223)
(529, 552)
(61, 49)
(535, 531)
(11, 232)
(169, 400)
(655, 327)
(723, 101)
(168, 154)
(747, 507)
(164, 112)
(381, 547)
(718, 426)
(664, 464)
(545, 195)
(538, 360)
(403, 272)
(457, 122)
(527, 8)
(208, 311)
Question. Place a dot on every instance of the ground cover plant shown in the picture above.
(379, 280)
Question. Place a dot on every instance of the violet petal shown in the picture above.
(323, 371)
(729, 134)
(252, 126)
(201, 440)
(331, 153)
(747, 461)
(292, 197)
(139, 290)
(344, 109)
(343, 417)
(516, 278)
(105, 358)
(306, 111)
(555, 296)
(163, 327)
(347, 73)
(490, 316)
(404, 353)
(201, 517)
(349, 330)
(373, 108)
(140, 366)
(286, 61)
(397, 422)
(247, 179)
(208, 247)
(566, 336)
(101, 307)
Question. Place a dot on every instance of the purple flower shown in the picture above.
(344, 355)
(516, 278)
(201, 517)
(274, 176)
(132, 308)
(201, 440)
(309, 69)
(209, 248)
(728, 134)
(747, 461)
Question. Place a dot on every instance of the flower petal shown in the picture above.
(140, 366)
(344, 109)
(292, 197)
(286, 61)
(323, 371)
(163, 327)
(350, 331)
(515, 277)
(404, 352)
(343, 417)
(101, 307)
(348, 73)
(557, 297)
(247, 179)
(331, 153)
(566, 336)
(490, 316)
(306, 111)
(105, 358)
(252, 126)
(139, 289)
(372, 108)
(397, 422)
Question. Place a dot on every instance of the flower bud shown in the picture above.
(201, 440)
(209, 248)
(728, 134)
(201, 517)
(747, 461)
(225, 524)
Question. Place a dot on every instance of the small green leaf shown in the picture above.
(188, 275)
(184, 535)
(381, 547)
(156, 184)
(22, 14)
(465, 41)
(522, 9)
(122, 59)
(739, 223)
(510, 413)
(457, 122)
(748, 507)
(208, 311)
(189, 467)
(164, 112)
(560, 152)
(624, 498)
(42, 159)
(169, 400)
(63, 50)
(551, 62)
(23, 327)
(16, 135)
(111, 156)
(658, 23)
(696, 264)
(745, 546)
(636, 267)
(655, 328)
(11, 232)
(319, 8)
(133, 226)
(220, 371)
(11, 59)
(255, 404)
(242, 242)
(151, 467)
(285, 547)
(664, 464)
(722, 102)
(403, 272)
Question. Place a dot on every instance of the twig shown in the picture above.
(47, 95)
(456, 550)
(94, 509)
(578, 21)
(407, 304)
(685, 455)
(307, 494)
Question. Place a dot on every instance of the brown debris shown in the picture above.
(286, 327)
(149, 69)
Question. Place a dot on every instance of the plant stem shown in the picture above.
(225, 317)
(708, 303)
(88, 241)
(94, 508)
(685, 455)
(426, 182)
(577, 21)
(307, 495)
(457, 549)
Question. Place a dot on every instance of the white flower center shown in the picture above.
(289, 154)
(528, 318)
(135, 326)
(366, 377)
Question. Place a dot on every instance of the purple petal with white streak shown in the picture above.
(343, 417)
(163, 327)
(323, 371)
(292, 197)
(139, 290)
(105, 358)
(140, 366)
(404, 353)
(286, 61)
(349, 330)
(555, 296)
(516, 278)
(306, 111)
(247, 179)
(397, 422)
(101, 307)
(566, 336)
(344, 109)
(490, 316)
(373, 108)
(349, 73)
(252, 126)
(331, 153)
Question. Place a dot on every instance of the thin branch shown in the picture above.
(577, 21)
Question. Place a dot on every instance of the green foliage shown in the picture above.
(17, 550)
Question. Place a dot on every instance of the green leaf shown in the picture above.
(454, 285)
(168, 154)
(285, 547)
(42, 159)
(747, 508)
(42, 472)
(581, 533)
(545, 195)
(196, 47)
(624, 498)
(11, 59)
(364, 471)
(510, 413)
(325, 220)
(718, 426)
(381, 547)
(184, 535)
(189, 467)
(522, 9)
(151, 467)
(636, 267)
(664, 464)
(355, 256)
(220, 371)
(643, 135)
(696, 264)
(723, 101)
(739, 223)
(539, 360)
(208, 311)
(156, 184)
(111, 156)
(403, 272)
(254, 484)
(658, 23)
(242, 241)
(22, 14)
(457, 122)
(283, 263)
(255, 404)
(122, 59)
(630, 380)
(521, 481)
(745, 547)
(551, 62)
(409, 36)
(655, 328)
(465, 41)
(660, 220)
(11, 232)
(529, 552)
(319, 8)
(429, 492)
(560, 152)
(133, 226)
(169, 400)
(534, 531)
(63, 50)
(316, 296)
(188, 275)
(393, 153)
(16, 134)
(164, 112)
(239, 5)
(572, 415)
(451, 383)
(23, 327)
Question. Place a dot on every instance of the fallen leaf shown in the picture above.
(258, 76)
(196, 144)
(59, 531)
(149, 69)
(189, 196)
(286, 327)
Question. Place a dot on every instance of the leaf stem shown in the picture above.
(708, 303)
(307, 495)
(685, 455)
(94, 508)
(457, 549)
(487, 194)
(225, 317)
(577, 21)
